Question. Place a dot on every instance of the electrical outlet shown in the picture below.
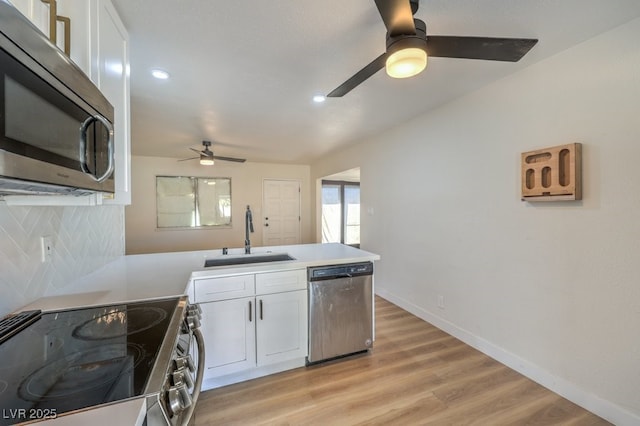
(47, 248)
(440, 301)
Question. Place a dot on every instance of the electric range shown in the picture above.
(59, 363)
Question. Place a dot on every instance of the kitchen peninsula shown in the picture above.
(231, 297)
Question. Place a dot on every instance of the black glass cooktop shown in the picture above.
(79, 358)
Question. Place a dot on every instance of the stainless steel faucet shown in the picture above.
(248, 227)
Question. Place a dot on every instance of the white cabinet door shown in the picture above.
(77, 12)
(37, 11)
(228, 328)
(110, 72)
(281, 328)
(79, 16)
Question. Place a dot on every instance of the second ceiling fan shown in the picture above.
(408, 46)
(207, 158)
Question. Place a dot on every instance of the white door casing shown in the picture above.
(280, 212)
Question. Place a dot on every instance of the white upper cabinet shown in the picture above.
(110, 72)
(78, 30)
(71, 19)
(37, 11)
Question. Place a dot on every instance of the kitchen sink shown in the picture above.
(247, 259)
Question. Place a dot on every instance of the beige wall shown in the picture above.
(246, 189)
(550, 289)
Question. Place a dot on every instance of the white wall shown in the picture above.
(246, 189)
(551, 289)
(83, 238)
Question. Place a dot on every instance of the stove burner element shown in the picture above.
(75, 375)
(120, 322)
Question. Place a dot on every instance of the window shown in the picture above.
(192, 202)
(341, 212)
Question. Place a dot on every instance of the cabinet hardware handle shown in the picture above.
(250, 309)
(53, 13)
(261, 309)
(53, 26)
(67, 33)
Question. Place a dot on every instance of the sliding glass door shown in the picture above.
(341, 212)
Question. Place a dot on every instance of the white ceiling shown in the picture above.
(243, 72)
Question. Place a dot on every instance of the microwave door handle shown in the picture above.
(83, 147)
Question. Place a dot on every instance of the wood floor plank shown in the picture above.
(415, 375)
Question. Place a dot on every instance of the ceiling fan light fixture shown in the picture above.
(407, 54)
(206, 161)
(406, 62)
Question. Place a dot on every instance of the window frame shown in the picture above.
(196, 203)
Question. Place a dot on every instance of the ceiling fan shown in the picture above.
(206, 156)
(408, 46)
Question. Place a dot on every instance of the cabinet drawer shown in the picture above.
(212, 289)
(276, 282)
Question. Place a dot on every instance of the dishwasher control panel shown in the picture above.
(337, 271)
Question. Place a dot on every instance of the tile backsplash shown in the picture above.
(83, 239)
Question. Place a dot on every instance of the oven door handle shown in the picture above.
(197, 334)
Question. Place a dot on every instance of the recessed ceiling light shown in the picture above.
(160, 74)
(319, 98)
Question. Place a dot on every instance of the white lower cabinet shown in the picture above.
(281, 327)
(253, 335)
(229, 334)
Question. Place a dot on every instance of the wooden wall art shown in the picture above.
(552, 174)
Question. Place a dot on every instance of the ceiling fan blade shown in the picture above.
(487, 48)
(196, 150)
(366, 72)
(397, 16)
(186, 159)
(237, 160)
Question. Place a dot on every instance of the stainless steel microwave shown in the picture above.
(56, 128)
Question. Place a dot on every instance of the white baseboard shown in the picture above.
(601, 407)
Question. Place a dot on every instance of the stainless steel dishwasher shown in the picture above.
(340, 310)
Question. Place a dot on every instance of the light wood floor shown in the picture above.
(416, 374)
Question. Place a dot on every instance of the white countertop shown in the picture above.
(160, 275)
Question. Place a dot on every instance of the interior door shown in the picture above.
(281, 212)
